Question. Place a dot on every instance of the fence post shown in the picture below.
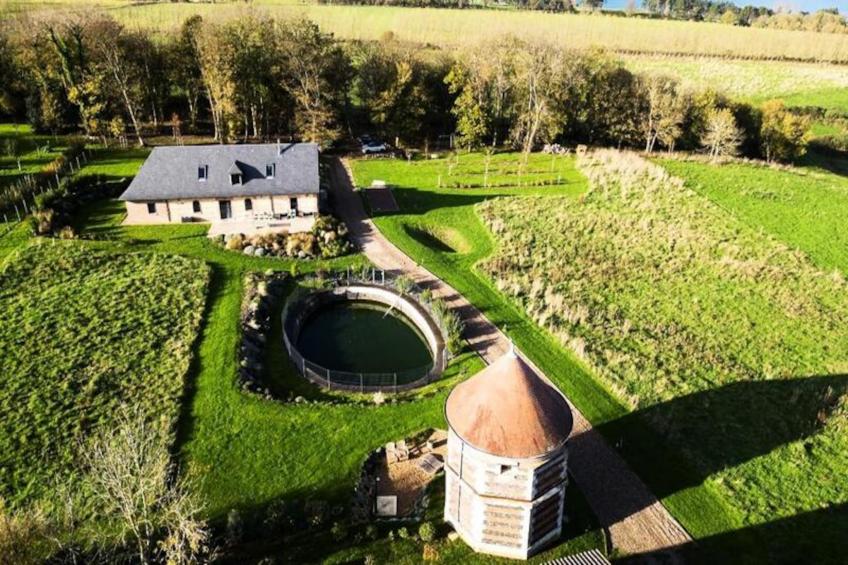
(26, 210)
(395, 383)
(361, 383)
(17, 212)
(78, 165)
(329, 383)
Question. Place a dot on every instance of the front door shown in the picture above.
(293, 205)
(226, 209)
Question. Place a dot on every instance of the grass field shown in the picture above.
(83, 332)
(729, 491)
(459, 27)
(804, 208)
(797, 84)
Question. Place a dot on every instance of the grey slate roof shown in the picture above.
(171, 172)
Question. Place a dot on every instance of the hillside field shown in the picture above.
(83, 332)
(678, 332)
(446, 27)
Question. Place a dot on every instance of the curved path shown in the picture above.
(637, 523)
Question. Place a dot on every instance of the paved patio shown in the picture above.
(263, 225)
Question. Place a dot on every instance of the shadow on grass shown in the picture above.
(719, 429)
(827, 158)
(427, 239)
(810, 537)
(215, 292)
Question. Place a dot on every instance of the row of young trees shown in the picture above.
(257, 78)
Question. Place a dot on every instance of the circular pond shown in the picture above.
(362, 337)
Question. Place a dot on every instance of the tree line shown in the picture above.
(260, 79)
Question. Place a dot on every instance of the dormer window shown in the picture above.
(235, 178)
(270, 170)
(202, 172)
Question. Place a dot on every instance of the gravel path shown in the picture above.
(637, 523)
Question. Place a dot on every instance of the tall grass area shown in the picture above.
(456, 28)
(798, 84)
(727, 342)
(83, 332)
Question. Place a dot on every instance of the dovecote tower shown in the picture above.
(506, 468)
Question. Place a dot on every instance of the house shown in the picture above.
(236, 188)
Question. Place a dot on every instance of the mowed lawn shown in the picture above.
(803, 207)
(720, 478)
(82, 333)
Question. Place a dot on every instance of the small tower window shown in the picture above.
(202, 172)
(270, 171)
(235, 178)
(248, 204)
(196, 206)
(151, 207)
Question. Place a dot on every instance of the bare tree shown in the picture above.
(721, 134)
(663, 117)
(132, 479)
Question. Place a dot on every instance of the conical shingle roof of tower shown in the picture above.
(509, 411)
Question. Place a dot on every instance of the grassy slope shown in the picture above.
(729, 343)
(82, 333)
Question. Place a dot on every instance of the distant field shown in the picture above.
(458, 27)
(798, 84)
(81, 333)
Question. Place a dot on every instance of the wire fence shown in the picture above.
(397, 381)
(17, 199)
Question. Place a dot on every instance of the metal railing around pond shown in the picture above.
(330, 379)
(398, 381)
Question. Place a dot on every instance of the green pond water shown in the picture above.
(360, 337)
